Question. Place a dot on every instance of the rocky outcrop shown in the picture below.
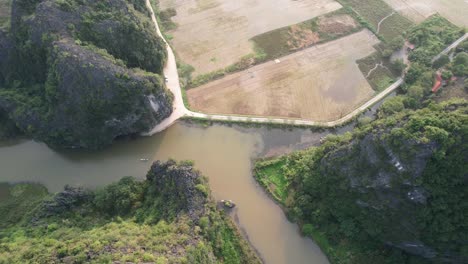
(180, 188)
(401, 181)
(69, 71)
(5, 46)
(64, 201)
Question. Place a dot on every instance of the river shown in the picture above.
(222, 153)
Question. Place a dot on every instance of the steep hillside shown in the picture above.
(168, 218)
(393, 191)
(79, 73)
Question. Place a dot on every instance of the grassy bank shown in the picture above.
(276, 176)
(270, 175)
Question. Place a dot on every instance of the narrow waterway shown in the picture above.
(222, 153)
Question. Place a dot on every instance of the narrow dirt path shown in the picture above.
(373, 69)
(383, 19)
(173, 84)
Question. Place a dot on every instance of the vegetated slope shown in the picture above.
(5, 8)
(168, 218)
(389, 191)
(79, 73)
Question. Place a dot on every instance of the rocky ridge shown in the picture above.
(80, 74)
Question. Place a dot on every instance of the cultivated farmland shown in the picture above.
(320, 83)
(213, 34)
(380, 16)
(417, 10)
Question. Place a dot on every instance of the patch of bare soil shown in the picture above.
(301, 37)
(320, 83)
(337, 24)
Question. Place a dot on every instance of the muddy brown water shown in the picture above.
(221, 153)
(224, 154)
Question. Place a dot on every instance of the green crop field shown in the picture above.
(283, 41)
(375, 12)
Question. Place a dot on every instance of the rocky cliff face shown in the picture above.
(81, 73)
(405, 182)
(180, 188)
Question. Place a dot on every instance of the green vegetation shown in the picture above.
(431, 37)
(269, 176)
(127, 221)
(371, 12)
(344, 193)
(8, 129)
(5, 10)
(84, 79)
(165, 18)
(130, 37)
(349, 194)
(378, 70)
(283, 41)
(244, 63)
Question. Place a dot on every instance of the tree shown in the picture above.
(396, 44)
(460, 70)
(398, 66)
(414, 72)
(461, 59)
(416, 92)
(119, 198)
(440, 62)
(393, 105)
(446, 75)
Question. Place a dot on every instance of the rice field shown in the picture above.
(213, 34)
(321, 83)
(380, 16)
(456, 11)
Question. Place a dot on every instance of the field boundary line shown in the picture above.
(180, 110)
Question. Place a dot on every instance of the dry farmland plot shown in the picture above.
(213, 34)
(320, 83)
(417, 10)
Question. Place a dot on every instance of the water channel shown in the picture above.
(224, 154)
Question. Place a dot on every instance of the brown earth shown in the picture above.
(213, 34)
(321, 83)
(417, 10)
(301, 37)
(336, 24)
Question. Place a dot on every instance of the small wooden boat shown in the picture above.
(144, 160)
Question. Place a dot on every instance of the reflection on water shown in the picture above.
(221, 153)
